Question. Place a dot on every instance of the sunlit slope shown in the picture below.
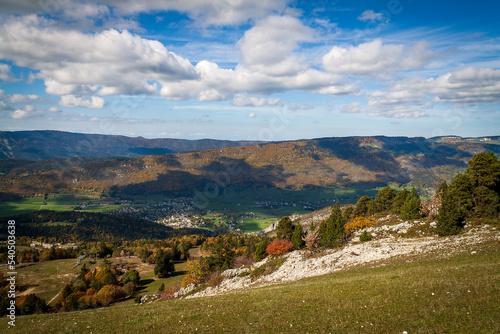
(361, 162)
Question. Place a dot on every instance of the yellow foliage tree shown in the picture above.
(358, 223)
(196, 271)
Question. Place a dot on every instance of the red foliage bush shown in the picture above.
(279, 246)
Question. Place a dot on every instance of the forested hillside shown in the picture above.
(327, 163)
(71, 226)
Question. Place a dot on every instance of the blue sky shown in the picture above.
(262, 70)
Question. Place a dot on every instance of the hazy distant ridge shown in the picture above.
(41, 145)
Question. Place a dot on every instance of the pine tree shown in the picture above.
(298, 233)
(484, 175)
(285, 229)
(260, 252)
(411, 206)
(383, 199)
(450, 217)
(461, 190)
(399, 200)
(331, 231)
(362, 206)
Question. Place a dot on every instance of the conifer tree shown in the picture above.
(298, 233)
(260, 252)
(383, 199)
(285, 229)
(362, 206)
(484, 175)
(399, 200)
(331, 231)
(411, 206)
(450, 217)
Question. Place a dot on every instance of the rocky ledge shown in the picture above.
(389, 241)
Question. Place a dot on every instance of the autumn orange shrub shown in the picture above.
(279, 246)
(109, 294)
(358, 223)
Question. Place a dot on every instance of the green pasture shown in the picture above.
(52, 202)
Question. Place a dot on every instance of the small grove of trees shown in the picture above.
(406, 203)
(99, 287)
(163, 264)
(224, 252)
(473, 194)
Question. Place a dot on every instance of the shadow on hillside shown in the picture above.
(422, 152)
(213, 179)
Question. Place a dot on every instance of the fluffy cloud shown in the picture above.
(113, 62)
(110, 62)
(205, 12)
(24, 98)
(245, 100)
(5, 73)
(376, 59)
(27, 111)
(371, 16)
(268, 47)
(412, 97)
(75, 101)
(468, 86)
(223, 83)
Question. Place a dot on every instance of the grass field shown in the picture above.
(42, 278)
(53, 202)
(457, 295)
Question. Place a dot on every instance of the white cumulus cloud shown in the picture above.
(203, 12)
(245, 100)
(110, 62)
(375, 58)
(77, 101)
(28, 111)
(268, 47)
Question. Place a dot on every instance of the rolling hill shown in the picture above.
(41, 145)
(325, 163)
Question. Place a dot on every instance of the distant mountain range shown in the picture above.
(325, 163)
(41, 145)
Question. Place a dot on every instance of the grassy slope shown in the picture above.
(42, 278)
(457, 295)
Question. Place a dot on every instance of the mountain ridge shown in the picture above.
(50, 144)
(325, 163)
